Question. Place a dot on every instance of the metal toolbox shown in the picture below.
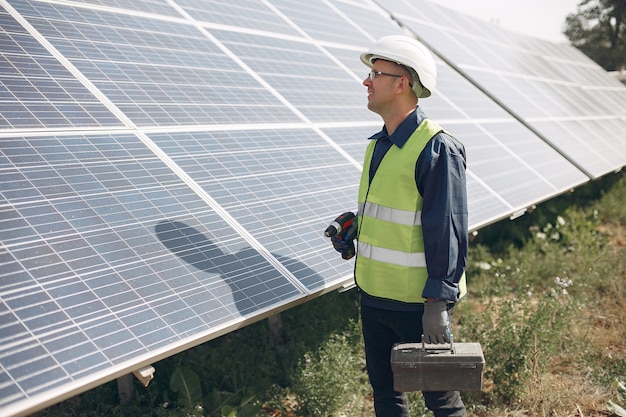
(420, 367)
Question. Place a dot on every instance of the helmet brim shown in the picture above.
(368, 59)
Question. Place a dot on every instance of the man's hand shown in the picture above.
(435, 322)
(344, 242)
(340, 243)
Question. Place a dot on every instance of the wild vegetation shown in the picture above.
(546, 302)
(598, 29)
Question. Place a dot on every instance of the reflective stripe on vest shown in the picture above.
(405, 217)
(409, 260)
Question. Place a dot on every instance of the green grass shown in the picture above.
(546, 302)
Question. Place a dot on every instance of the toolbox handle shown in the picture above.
(440, 348)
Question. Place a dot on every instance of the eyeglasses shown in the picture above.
(374, 74)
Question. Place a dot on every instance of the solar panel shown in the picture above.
(157, 72)
(168, 169)
(509, 167)
(119, 253)
(249, 15)
(555, 90)
(272, 182)
(300, 72)
(37, 91)
(128, 257)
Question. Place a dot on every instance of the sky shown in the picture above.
(539, 18)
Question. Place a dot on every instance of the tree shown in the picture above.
(598, 29)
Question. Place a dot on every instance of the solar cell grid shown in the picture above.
(349, 58)
(269, 181)
(458, 99)
(505, 66)
(145, 6)
(499, 157)
(89, 209)
(205, 211)
(135, 267)
(248, 14)
(560, 136)
(157, 72)
(483, 205)
(36, 91)
(303, 74)
(606, 104)
(608, 148)
(370, 19)
(320, 21)
(520, 141)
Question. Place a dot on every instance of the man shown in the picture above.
(412, 222)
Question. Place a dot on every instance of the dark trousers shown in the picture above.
(381, 329)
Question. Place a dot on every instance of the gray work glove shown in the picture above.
(436, 323)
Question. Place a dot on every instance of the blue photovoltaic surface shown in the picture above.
(509, 167)
(272, 182)
(112, 258)
(167, 168)
(554, 89)
(311, 81)
(36, 91)
(157, 72)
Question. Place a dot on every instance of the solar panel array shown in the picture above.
(168, 167)
(556, 91)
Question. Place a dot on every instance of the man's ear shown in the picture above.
(403, 84)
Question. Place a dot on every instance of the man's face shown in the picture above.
(380, 91)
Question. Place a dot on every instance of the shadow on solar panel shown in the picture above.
(248, 275)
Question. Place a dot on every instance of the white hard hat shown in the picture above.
(410, 53)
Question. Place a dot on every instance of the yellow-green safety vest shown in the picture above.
(390, 260)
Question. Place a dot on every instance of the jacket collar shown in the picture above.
(404, 130)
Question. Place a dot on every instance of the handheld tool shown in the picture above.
(341, 231)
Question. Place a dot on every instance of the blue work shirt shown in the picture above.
(440, 179)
